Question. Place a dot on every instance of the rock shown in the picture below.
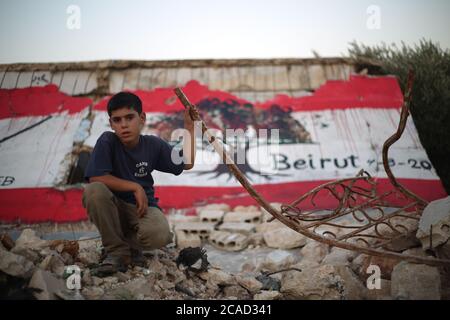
(386, 266)
(93, 293)
(136, 287)
(29, 240)
(248, 267)
(122, 277)
(326, 282)
(110, 281)
(266, 215)
(284, 238)
(218, 277)
(277, 260)
(434, 224)
(249, 283)
(30, 254)
(86, 279)
(403, 242)
(166, 285)
(267, 295)
(186, 240)
(46, 285)
(415, 282)
(269, 226)
(53, 263)
(256, 239)
(270, 282)
(314, 251)
(96, 281)
(89, 257)
(384, 293)
(339, 256)
(354, 289)
(15, 265)
(236, 291)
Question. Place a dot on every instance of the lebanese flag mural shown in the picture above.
(328, 135)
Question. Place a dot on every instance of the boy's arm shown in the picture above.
(121, 185)
(189, 144)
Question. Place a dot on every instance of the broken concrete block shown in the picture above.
(228, 241)
(266, 215)
(269, 226)
(411, 281)
(243, 216)
(14, 264)
(185, 240)
(238, 227)
(30, 254)
(249, 283)
(218, 277)
(53, 263)
(212, 216)
(277, 260)
(236, 291)
(47, 284)
(434, 225)
(29, 239)
(201, 229)
(93, 293)
(314, 251)
(284, 238)
(267, 295)
(383, 293)
(339, 256)
(324, 282)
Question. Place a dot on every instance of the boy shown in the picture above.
(120, 197)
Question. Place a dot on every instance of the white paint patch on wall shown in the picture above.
(39, 157)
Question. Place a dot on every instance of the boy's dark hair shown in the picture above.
(124, 99)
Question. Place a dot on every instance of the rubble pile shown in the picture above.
(295, 267)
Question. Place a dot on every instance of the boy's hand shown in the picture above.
(141, 201)
(188, 122)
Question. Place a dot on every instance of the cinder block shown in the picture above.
(238, 227)
(215, 206)
(211, 216)
(199, 228)
(185, 240)
(175, 219)
(243, 216)
(228, 241)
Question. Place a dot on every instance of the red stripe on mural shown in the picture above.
(34, 205)
(357, 92)
(38, 101)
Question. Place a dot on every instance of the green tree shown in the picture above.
(430, 105)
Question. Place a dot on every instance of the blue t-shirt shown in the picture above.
(110, 156)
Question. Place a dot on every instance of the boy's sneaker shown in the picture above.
(111, 265)
(137, 258)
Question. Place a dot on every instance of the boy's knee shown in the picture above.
(154, 230)
(96, 191)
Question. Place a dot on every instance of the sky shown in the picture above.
(79, 30)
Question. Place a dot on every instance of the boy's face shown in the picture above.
(127, 124)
